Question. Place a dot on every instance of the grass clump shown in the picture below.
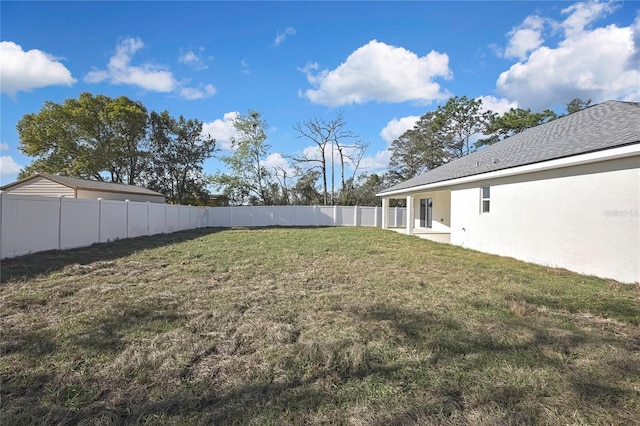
(311, 326)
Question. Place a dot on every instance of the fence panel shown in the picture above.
(324, 215)
(172, 219)
(219, 217)
(262, 216)
(137, 219)
(240, 216)
(29, 224)
(113, 220)
(401, 213)
(184, 217)
(195, 217)
(304, 216)
(368, 216)
(79, 222)
(284, 216)
(157, 213)
(338, 218)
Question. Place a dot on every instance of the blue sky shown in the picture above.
(382, 64)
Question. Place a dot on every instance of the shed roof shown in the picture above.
(603, 126)
(90, 185)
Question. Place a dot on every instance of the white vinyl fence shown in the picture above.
(31, 224)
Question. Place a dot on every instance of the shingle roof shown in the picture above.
(607, 125)
(93, 185)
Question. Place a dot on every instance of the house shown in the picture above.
(46, 185)
(563, 194)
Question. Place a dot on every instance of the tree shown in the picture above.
(178, 150)
(362, 190)
(322, 133)
(457, 122)
(416, 150)
(128, 120)
(93, 137)
(249, 180)
(577, 104)
(305, 192)
(51, 138)
(348, 155)
(514, 121)
(280, 174)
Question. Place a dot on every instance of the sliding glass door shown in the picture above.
(426, 212)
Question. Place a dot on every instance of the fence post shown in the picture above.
(395, 217)
(335, 215)
(375, 217)
(355, 215)
(61, 197)
(148, 219)
(127, 201)
(99, 219)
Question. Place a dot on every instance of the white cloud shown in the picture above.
(596, 64)
(193, 59)
(581, 15)
(377, 162)
(25, 71)
(204, 91)
(277, 161)
(245, 67)
(222, 130)
(280, 37)
(396, 127)
(379, 72)
(155, 78)
(634, 61)
(8, 166)
(4, 146)
(499, 106)
(525, 38)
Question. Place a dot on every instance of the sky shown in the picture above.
(380, 64)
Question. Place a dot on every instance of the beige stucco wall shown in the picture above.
(583, 218)
(42, 187)
(441, 210)
(93, 195)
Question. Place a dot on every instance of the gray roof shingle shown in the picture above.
(607, 125)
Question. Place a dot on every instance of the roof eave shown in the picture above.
(592, 157)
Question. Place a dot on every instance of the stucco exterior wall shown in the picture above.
(42, 187)
(583, 218)
(94, 195)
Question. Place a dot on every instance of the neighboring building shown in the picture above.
(45, 185)
(563, 194)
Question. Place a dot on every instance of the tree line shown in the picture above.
(119, 140)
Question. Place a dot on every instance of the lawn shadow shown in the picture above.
(452, 344)
(104, 334)
(33, 265)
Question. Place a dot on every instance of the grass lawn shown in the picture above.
(348, 326)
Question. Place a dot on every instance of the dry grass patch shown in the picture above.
(311, 326)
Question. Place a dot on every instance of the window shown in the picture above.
(484, 199)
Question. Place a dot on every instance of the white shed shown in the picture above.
(46, 185)
(563, 194)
